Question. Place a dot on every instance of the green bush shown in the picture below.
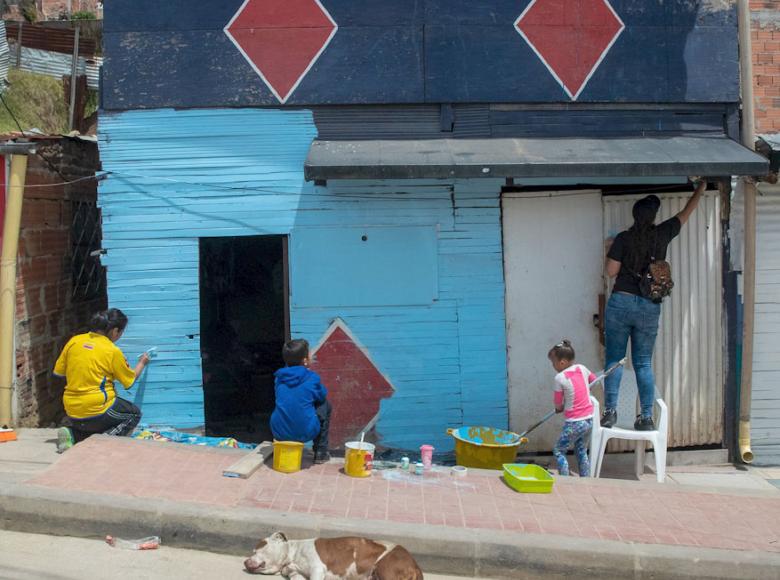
(83, 15)
(36, 101)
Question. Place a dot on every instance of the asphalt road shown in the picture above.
(37, 557)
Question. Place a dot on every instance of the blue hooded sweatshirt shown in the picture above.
(298, 390)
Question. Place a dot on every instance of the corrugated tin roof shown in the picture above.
(531, 157)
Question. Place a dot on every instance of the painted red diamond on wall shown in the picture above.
(281, 39)
(571, 37)
(355, 385)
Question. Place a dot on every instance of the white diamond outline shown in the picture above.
(596, 65)
(314, 59)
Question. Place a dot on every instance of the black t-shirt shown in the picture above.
(627, 281)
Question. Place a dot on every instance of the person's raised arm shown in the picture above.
(612, 267)
(693, 202)
(143, 360)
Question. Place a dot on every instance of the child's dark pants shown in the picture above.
(320, 443)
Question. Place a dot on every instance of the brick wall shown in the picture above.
(766, 64)
(47, 314)
(52, 9)
(55, 9)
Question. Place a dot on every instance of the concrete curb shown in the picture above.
(481, 553)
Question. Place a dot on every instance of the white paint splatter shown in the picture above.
(713, 6)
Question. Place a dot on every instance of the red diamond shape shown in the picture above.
(571, 37)
(355, 385)
(281, 39)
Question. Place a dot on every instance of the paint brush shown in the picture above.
(150, 353)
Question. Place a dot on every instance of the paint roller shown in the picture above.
(598, 379)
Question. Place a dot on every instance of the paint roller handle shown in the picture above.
(538, 424)
(608, 372)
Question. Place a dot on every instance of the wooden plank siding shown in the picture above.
(176, 176)
(176, 54)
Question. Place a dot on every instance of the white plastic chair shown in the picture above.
(595, 436)
(624, 429)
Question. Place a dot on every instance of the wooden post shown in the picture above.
(19, 46)
(73, 75)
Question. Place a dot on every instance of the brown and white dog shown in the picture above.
(332, 559)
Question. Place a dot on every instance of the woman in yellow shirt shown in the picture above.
(91, 364)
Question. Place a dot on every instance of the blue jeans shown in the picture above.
(635, 317)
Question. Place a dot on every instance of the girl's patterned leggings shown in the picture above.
(575, 432)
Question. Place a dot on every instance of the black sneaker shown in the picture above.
(644, 423)
(321, 457)
(608, 418)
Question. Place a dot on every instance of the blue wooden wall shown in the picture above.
(176, 54)
(176, 176)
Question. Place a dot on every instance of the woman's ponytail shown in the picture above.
(105, 321)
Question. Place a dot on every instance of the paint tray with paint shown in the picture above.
(528, 478)
(485, 447)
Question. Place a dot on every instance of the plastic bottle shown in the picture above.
(150, 543)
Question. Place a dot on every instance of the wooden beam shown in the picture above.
(251, 462)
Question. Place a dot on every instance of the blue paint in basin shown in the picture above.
(486, 436)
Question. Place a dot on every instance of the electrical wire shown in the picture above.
(10, 112)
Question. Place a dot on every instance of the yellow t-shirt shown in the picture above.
(91, 363)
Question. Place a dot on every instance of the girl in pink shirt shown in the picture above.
(572, 398)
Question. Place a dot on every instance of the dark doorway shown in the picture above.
(244, 321)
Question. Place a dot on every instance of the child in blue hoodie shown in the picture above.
(302, 410)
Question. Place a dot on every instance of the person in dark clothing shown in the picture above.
(631, 315)
(302, 411)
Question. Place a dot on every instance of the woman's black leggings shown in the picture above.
(119, 420)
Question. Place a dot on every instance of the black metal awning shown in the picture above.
(624, 157)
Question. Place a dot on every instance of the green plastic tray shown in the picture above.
(528, 478)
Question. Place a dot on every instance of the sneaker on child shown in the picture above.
(64, 439)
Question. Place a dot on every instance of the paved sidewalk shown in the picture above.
(634, 512)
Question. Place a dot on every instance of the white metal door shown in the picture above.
(688, 359)
(553, 263)
(765, 404)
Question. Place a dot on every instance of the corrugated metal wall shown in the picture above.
(179, 175)
(58, 65)
(688, 361)
(765, 408)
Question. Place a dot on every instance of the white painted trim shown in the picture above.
(339, 323)
(596, 65)
(315, 58)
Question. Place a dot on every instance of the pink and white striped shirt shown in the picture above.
(571, 391)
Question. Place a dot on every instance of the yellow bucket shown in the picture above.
(287, 456)
(359, 459)
(485, 447)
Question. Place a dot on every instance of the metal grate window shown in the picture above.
(89, 275)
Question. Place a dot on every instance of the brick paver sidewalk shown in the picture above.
(614, 510)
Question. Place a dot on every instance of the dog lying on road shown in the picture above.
(332, 559)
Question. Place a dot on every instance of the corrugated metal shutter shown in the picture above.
(390, 122)
(765, 407)
(688, 361)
